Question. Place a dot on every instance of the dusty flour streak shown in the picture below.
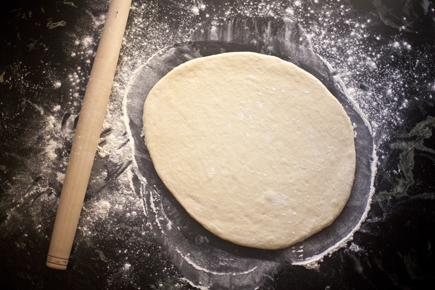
(193, 264)
(354, 103)
(144, 205)
(153, 207)
(126, 118)
(200, 287)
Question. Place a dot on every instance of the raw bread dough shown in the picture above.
(254, 148)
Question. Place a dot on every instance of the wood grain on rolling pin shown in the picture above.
(87, 135)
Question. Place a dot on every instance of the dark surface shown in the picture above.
(394, 249)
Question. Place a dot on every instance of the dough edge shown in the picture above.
(188, 205)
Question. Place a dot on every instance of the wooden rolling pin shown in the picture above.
(87, 135)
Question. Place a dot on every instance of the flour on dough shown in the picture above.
(256, 149)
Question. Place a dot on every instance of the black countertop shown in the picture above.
(383, 51)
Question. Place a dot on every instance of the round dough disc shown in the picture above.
(255, 149)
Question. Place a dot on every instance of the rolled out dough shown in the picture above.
(255, 149)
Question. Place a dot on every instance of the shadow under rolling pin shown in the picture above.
(87, 135)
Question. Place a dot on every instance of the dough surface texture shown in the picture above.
(255, 149)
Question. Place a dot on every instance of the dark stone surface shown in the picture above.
(394, 249)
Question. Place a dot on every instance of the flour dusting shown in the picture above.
(127, 223)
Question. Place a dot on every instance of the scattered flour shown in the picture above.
(378, 90)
